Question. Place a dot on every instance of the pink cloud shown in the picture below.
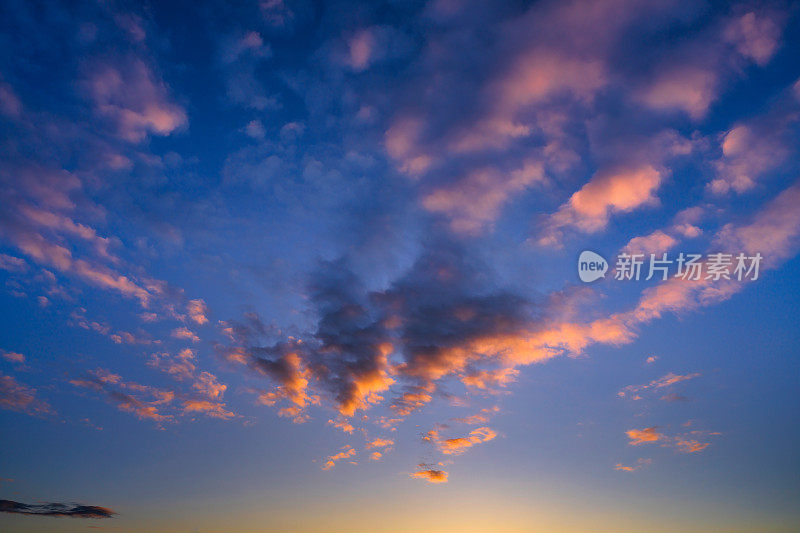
(655, 243)
(13, 357)
(474, 202)
(198, 311)
(10, 104)
(17, 397)
(610, 191)
(360, 49)
(664, 381)
(747, 154)
(185, 333)
(130, 94)
(755, 36)
(208, 385)
(685, 88)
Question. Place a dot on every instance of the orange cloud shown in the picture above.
(344, 425)
(642, 436)
(347, 451)
(690, 445)
(459, 445)
(207, 407)
(208, 385)
(430, 475)
(180, 366)
(639, 464)
(380, 443)
(478, 418)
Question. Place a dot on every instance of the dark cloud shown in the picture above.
(407, 337)
(56, 509)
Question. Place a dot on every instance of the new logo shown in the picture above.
(591, 266)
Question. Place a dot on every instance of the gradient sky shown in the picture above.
(312, 266)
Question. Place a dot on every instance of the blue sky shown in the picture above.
(312, 265)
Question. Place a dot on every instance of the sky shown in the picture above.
(435, 266)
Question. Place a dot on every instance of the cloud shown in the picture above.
(608, 192)
(208, 385)
(685, 443)
(360, 48)
(749, 151)
(134, 99)
(656, 243)
(207, 407)
(773, 232)
(755, 36)
(198, 311)
(10, 104)
(380, 443)
(18, 397)
(640, 463)
(12, 357)
(474, 202)
(686, 88)
(342, 424)
(61, 258)
(643, 436)
(690, 445)
(664, 381)
(182, 365)
(143, 401)
(430, 475)
(479, 418)
(330, 462)
(56, 510)
(458, 445)
(10, 263)
(185, 333)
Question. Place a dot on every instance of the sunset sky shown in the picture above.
(307, 266)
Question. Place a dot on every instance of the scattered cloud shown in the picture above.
(330, 462)
(640, 463)
(198, 311)
(15, 396)
(665, 381)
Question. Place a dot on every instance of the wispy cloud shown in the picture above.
(56, 510)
